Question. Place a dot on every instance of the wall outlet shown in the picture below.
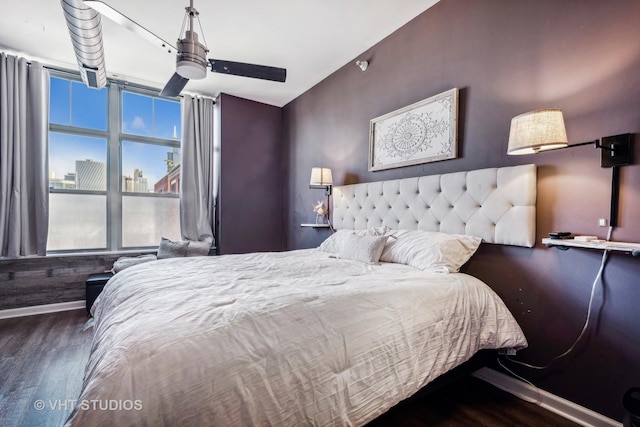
(602, 222)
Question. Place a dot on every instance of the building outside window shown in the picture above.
(114, 167)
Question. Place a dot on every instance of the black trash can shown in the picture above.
(631, 404)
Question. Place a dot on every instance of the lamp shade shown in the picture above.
(537, 131)
(320, 177)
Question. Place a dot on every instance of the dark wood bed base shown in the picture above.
(480, 359)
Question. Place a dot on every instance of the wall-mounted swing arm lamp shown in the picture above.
(542, 130)
(321, 178)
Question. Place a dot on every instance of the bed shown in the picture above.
(317, 336)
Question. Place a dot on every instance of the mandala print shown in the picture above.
(406, 137)
(416, 134)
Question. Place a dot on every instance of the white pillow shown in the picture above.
(126, 262)
(375, 231)
(333, 244)
(430, 251)
(365, 249)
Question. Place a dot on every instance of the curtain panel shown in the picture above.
(24, 195)
(197, 191)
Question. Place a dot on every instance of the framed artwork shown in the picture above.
(424, 132)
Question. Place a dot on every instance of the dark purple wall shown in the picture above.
(251, 176)
(509, 57)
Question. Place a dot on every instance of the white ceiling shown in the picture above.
(310, 38)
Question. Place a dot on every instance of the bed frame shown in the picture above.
(496, 204)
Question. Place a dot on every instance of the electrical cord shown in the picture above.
(538, 399)
(584, 328)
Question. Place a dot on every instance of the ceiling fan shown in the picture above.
(191, 55)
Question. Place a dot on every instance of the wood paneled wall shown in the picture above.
(48, 280)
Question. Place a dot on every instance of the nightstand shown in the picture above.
(95, 284)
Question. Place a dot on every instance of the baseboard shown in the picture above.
(551, 402)
(41, 309)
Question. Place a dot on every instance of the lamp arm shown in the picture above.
(595, 143)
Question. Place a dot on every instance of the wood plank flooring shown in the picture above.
(43, 358)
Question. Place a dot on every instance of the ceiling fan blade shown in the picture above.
(117, 17)
(174, 86)
(248, 70)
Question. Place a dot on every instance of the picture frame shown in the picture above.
(423, 132)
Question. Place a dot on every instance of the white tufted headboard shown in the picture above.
(496, 204)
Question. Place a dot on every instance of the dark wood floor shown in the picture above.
(470, 402)
(42, 359)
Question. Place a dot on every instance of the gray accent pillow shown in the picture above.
(365, 249)
(171, 249)
(198, 248)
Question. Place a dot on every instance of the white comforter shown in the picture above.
(283, 339)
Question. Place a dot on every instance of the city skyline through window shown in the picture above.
(96, 134)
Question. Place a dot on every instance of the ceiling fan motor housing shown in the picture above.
(191, 62)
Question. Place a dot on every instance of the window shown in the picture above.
(114, 167)
(150, 162)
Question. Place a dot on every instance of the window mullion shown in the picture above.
(114, 197)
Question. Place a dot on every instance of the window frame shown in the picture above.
(114, 136)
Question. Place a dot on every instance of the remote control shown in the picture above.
(560, 235)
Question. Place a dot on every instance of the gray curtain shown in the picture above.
(197, 191)
(24, 196)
